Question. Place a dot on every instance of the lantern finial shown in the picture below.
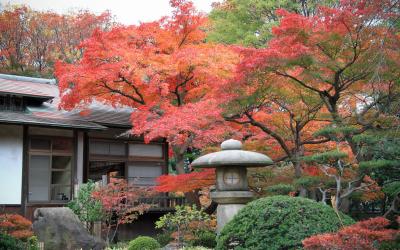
(231, 144)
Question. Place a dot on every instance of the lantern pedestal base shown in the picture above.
(225, 213)
(229, 204)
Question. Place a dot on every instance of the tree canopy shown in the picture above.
(32, 41)
(322, 96)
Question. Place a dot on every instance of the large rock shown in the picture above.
(59, 228)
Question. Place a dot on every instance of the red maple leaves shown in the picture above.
(364, 235)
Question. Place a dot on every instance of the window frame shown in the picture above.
(50, 153)
(147, 158)
(127, 159)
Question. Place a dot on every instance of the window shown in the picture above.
(11, 103)
(50, 168)
(140, 163)
(146, 150)
(143, 174)
(99, 168)
(107, 148)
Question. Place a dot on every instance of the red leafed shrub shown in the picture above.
(121, 203)
(16, 226)
(364, 235)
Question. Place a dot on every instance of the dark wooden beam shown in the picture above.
(25, 170)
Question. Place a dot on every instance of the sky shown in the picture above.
(125, 11)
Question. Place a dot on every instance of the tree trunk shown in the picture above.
(193, 196)
(323, 192)
(303, 192)
(394, 208)
(345, 205)
(313, 194)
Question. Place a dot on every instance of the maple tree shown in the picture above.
(120, 202)
(186, 182)
(31, 41)
(344, 58)
(163, 69)
(334, 69)
(365, 235)
(274, 114)
(342, 55)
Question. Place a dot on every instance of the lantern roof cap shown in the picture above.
(232, 155)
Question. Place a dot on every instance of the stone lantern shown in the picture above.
(232, 190)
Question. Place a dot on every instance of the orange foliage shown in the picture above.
(16, 226)
(164, 69)
(33, 40)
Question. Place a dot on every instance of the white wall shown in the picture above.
(11, 147)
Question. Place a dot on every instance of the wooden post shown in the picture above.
(97, 229)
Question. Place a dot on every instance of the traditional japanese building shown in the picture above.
(45, 153)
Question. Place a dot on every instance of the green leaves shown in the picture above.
(280, 189)
(326, 157)
(379, 164)
(335, 132)
(308, 181)
(84, 206)
(250, 22)
(182, 217)
(392, 189)
(186, 220)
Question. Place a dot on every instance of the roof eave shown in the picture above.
(57, 125)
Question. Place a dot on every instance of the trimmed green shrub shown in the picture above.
(278, 222)
(204, 239)
(8, 242)
(144, 243)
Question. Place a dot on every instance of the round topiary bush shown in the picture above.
(278, 222)
(143, 243)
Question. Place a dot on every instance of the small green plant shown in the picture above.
(8, 242)
(121, 245)
(184, 222)
(144, 243)
(88, 209)
(33, 243)
(195, 248)
(164, 238)
(204, 239)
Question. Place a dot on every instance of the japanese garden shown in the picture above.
(256, 124)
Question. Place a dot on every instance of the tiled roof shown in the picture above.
(27, 86)
(49, 114)
(105, 115)
(40, 120)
